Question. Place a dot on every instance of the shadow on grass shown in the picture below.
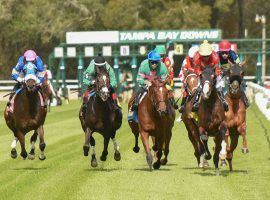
(223, 173)
(147, 169)
(101, 169)
(30, 168)
(171, 164)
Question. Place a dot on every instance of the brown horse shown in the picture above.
(211, 117)
(28, 114)
(236, 116)
(101, 117)
(191, 84)
(155, 118)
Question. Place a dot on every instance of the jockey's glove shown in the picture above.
(168, 87)
(20, 80)
(147, 82)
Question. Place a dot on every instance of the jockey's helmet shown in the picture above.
(192, 51)
(153, 56)
(30, 55)
(205, 49)
(100, 61)
(160, 49)
(224, 45)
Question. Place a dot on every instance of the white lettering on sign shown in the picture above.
(164, 35)
(129, 36)
(199, 35)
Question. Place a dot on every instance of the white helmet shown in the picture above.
(192, 51)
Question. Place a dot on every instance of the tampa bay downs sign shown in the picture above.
(141, 36)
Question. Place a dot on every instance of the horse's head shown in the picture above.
(208, 79)
(192, 82)
(102, 82)
(236, 75)
(30, 77)
(158, 95)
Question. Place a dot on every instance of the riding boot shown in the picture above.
(182, 106)
(84, 105)
(195, 106)
(137, 99)
(244, 97)
(223, 100)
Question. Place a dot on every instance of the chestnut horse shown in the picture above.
(191, 84)
(101, 117)
(27, 113)
(236, 116)
(211, 117)
(155, 118)
(47, 92)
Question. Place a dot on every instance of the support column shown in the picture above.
(116, 71)
(259, 69)
(80, 75)
(134, 70)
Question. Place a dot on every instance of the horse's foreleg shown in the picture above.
(104, 154)
(234, 142)
(222, 131)
(242, 130)
(13, 152)
(93, 152)
(117, 155)
(204, 140)
(166, 149)
(217, 140)
(21, 138)
(33, 140)
(145, 141)
(86, 145)
(42, 144)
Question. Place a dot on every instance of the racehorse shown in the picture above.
(155, 118)
(236, 116)
(211, 117)
(101, 117)
(191, 84)
(27, 113)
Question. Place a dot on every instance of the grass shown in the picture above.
(66, 173)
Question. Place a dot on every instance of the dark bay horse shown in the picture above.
(27, 113)
(236, 116)
(192, 82)
(101, 117)
(155, 118)
(211, 117)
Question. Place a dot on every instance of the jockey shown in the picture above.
(48, 78)
(188, 65)
(28, 56)
(227, 55)
(89, 80)
(150, 67)
(17, 71)
(168, 63)
(203, 58)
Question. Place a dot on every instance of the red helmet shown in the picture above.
(224, 45)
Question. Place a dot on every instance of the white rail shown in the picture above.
(261, 97)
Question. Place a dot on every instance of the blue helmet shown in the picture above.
(154, 56)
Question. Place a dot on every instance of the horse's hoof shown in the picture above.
(217, 172)
(85, 150)
(149, 160)
(205, 163)
(103, 158)
(245, 150)
(93, 162)
(156, 165)
(136, 149)
(163, 161)
(31, 156)
(223, 163)
(208, 156)
(117, 156)
(42, 157)
(13, 153)
(24, 155)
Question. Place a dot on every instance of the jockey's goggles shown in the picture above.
(154, 62)
(225, 52)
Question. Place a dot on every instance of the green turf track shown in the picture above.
(66, 173)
